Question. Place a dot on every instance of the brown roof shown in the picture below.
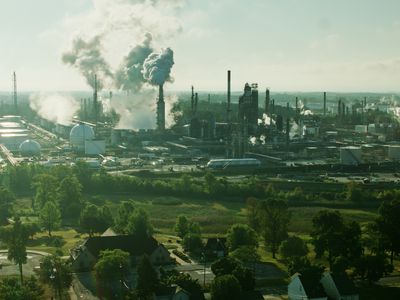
(128, 243)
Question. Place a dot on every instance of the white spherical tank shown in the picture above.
(79, 134)
(30, 148)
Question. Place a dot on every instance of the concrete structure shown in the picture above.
(30, 148)
(248, 109)
(350, 155)
(79, 134)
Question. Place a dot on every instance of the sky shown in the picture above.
(285, 45)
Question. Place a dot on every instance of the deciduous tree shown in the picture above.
(50, 217)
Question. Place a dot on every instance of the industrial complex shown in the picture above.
(253, 133)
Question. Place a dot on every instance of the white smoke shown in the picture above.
(107, 33)
(157, 67)
(266, 120)
(294, 131)
(303, 109)
(54, 107)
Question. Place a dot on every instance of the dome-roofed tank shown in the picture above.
(29, 148)
(79, 134)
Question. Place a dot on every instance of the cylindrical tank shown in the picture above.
(30, 148)
(79, 134)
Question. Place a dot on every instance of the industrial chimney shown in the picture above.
(324, 103)
(228, 110)
(95, 102)
(15, 93)
(161, 110)
(267, 100)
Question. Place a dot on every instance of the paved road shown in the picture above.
(9, 268)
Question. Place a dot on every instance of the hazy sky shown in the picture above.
(303, 45)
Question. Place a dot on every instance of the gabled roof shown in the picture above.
(109, 232)
(344, 285)
(133, 245)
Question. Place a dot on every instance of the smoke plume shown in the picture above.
(86, 56)
(54, 107)
(157, 67)
(129, 77)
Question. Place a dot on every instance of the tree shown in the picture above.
(95, 219)
(293, 246)
(231, 266)
(112, 266)
(46, 188)
(139, 224)
(56, 273)
(240, 235)
(50, 217)
(32, 229)
(332, 235)
(388, 224)
(372, 267)
(16, 239)
(224, 266)
(252, 213)
(125, 209)
(6, 201)
(69, 196)
(245, 254)
(147, 280)
(225, 287)
(182, 226)
(12, 289)
(192, 242)
(275, 217)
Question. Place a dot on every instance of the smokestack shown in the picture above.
(273, 106)
(192, 100)
(111, 95)
(339, 107)
(267, 100)
(287, 133)
(297, 105)
(15, 98)
(229, 97)
(365, 102)
(161, 109)
(324, 103)
(196, 101)
(95, 104)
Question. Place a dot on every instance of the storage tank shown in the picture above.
(30, 148)
(350, 155)
(394, 152)
(79, 135)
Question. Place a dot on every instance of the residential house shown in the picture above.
(175, 292)
(339, 286)
(85, 256)
(302, 289)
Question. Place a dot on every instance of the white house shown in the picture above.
(299, 289)
(339, 286)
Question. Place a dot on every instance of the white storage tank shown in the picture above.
(394, 152)
(30, 148)
(350, 155)
(79, 135)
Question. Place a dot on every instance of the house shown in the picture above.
(339, 286)
(303, 289)
(216, 247)
(172, 293)
(85, 256)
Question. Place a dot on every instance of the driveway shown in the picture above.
(9, 268)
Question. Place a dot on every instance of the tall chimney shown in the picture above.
(324, 103)
(196, 101)
(228, 110)
(192, 100)
(95, 104)
(267, 100)
(273, 106)
(15, 98)
(339, 107)
(297, 105)
(161, 110)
